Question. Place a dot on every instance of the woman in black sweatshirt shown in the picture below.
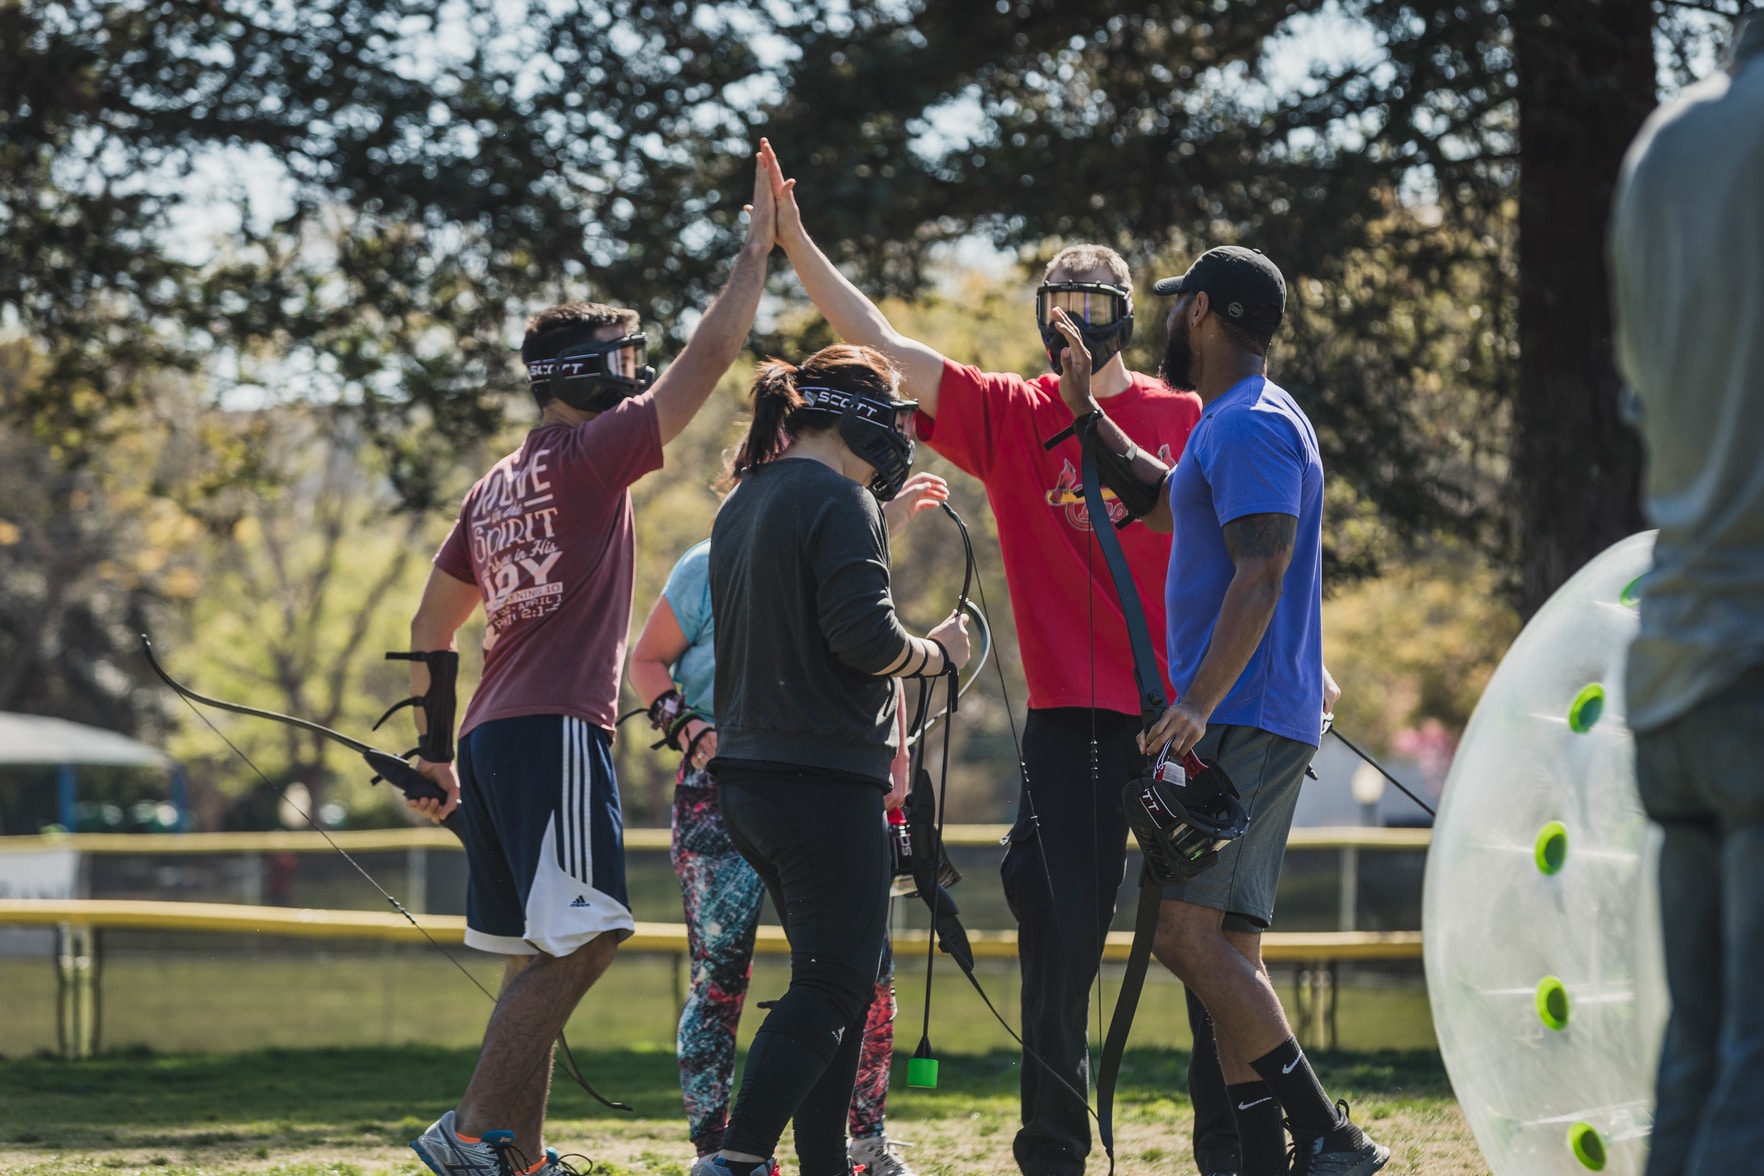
(807, 647)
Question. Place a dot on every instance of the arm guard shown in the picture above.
(669, 714)
(438, 705)
(1115, 470)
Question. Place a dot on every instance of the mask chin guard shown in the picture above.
(1182, 815)
(909, 847)
(870, 428)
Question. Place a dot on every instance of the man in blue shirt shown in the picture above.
(1244, 602)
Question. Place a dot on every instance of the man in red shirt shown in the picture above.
(545, 542)
(1067, 850)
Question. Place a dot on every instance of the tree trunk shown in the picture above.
(1585, 74)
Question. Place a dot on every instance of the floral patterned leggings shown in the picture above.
(722, 899)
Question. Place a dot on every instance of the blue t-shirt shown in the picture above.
(1253, 452)
(688, 594)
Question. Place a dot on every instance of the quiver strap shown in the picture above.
(438, 705)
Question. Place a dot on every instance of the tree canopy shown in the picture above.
(350, 204)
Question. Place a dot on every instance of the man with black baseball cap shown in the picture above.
(1244, 603)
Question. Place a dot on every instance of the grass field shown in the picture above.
(316, 1059)
(351, 1112)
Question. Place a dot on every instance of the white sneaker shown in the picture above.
(715, 1165)
(448, 1155)
(880, 1156)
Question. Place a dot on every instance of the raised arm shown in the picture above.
(850, 311)
(682, 390)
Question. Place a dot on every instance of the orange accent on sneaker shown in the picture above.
(464, 1138)
(535, 1167)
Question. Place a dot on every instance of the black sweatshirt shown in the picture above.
(805, 623)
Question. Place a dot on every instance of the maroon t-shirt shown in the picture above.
(547, 537)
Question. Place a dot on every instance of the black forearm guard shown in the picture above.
(1114, 470)
(669, 715)
(439, 705)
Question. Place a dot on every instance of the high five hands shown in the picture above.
(762, 224)
(1074, 366)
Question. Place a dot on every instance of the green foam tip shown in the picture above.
(922, 1072)
(1587, 1146)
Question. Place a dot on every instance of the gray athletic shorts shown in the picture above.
(1267, 770)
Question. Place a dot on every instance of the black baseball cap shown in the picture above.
(1243, 286)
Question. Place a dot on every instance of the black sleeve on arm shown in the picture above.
(1114, 470)
(854, 608)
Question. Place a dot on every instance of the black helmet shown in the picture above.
(1182, 815)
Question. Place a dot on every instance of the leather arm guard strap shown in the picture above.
(439, 704)
(1114, 470)
(669, 715)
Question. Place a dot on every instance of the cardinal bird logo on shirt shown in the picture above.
(1068, 494)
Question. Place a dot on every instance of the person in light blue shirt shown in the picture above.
(1243, 601)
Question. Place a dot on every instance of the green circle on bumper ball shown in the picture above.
(1552, 1003)
(1588, 1147)
(1551, 850)
(1588, 705)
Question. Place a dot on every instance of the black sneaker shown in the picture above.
(1343, 1150)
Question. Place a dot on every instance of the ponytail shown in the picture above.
(774, 397)
(776, 419)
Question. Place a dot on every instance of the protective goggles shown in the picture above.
(1087, 302)
(622, 359)
(891, 414)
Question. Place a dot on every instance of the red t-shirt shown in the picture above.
(547, 537)
(993, 424)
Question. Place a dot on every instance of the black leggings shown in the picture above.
(821, 849)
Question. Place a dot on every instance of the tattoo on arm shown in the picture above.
(1261, 536)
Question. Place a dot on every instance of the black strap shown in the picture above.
(1108, 1069)
(1152, 701)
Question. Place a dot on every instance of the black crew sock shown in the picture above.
(1295, 1084)
(1261, 1137)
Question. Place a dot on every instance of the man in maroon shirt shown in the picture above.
(544, 541)
(1067, 850)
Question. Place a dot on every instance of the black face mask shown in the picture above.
(874, 429)
(1177, 367)
(1104, 315)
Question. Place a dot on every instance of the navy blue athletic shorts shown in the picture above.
(544, 838)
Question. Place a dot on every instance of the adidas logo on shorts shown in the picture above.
(581, 901)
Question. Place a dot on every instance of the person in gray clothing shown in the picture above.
(807, 647)
(1687, 259)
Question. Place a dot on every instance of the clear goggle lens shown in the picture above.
(1098, 306)
(624, 357)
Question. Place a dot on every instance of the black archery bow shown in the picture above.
(392, 768)
(396, 771)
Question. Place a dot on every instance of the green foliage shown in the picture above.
(1419, 643)
(300, 598)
